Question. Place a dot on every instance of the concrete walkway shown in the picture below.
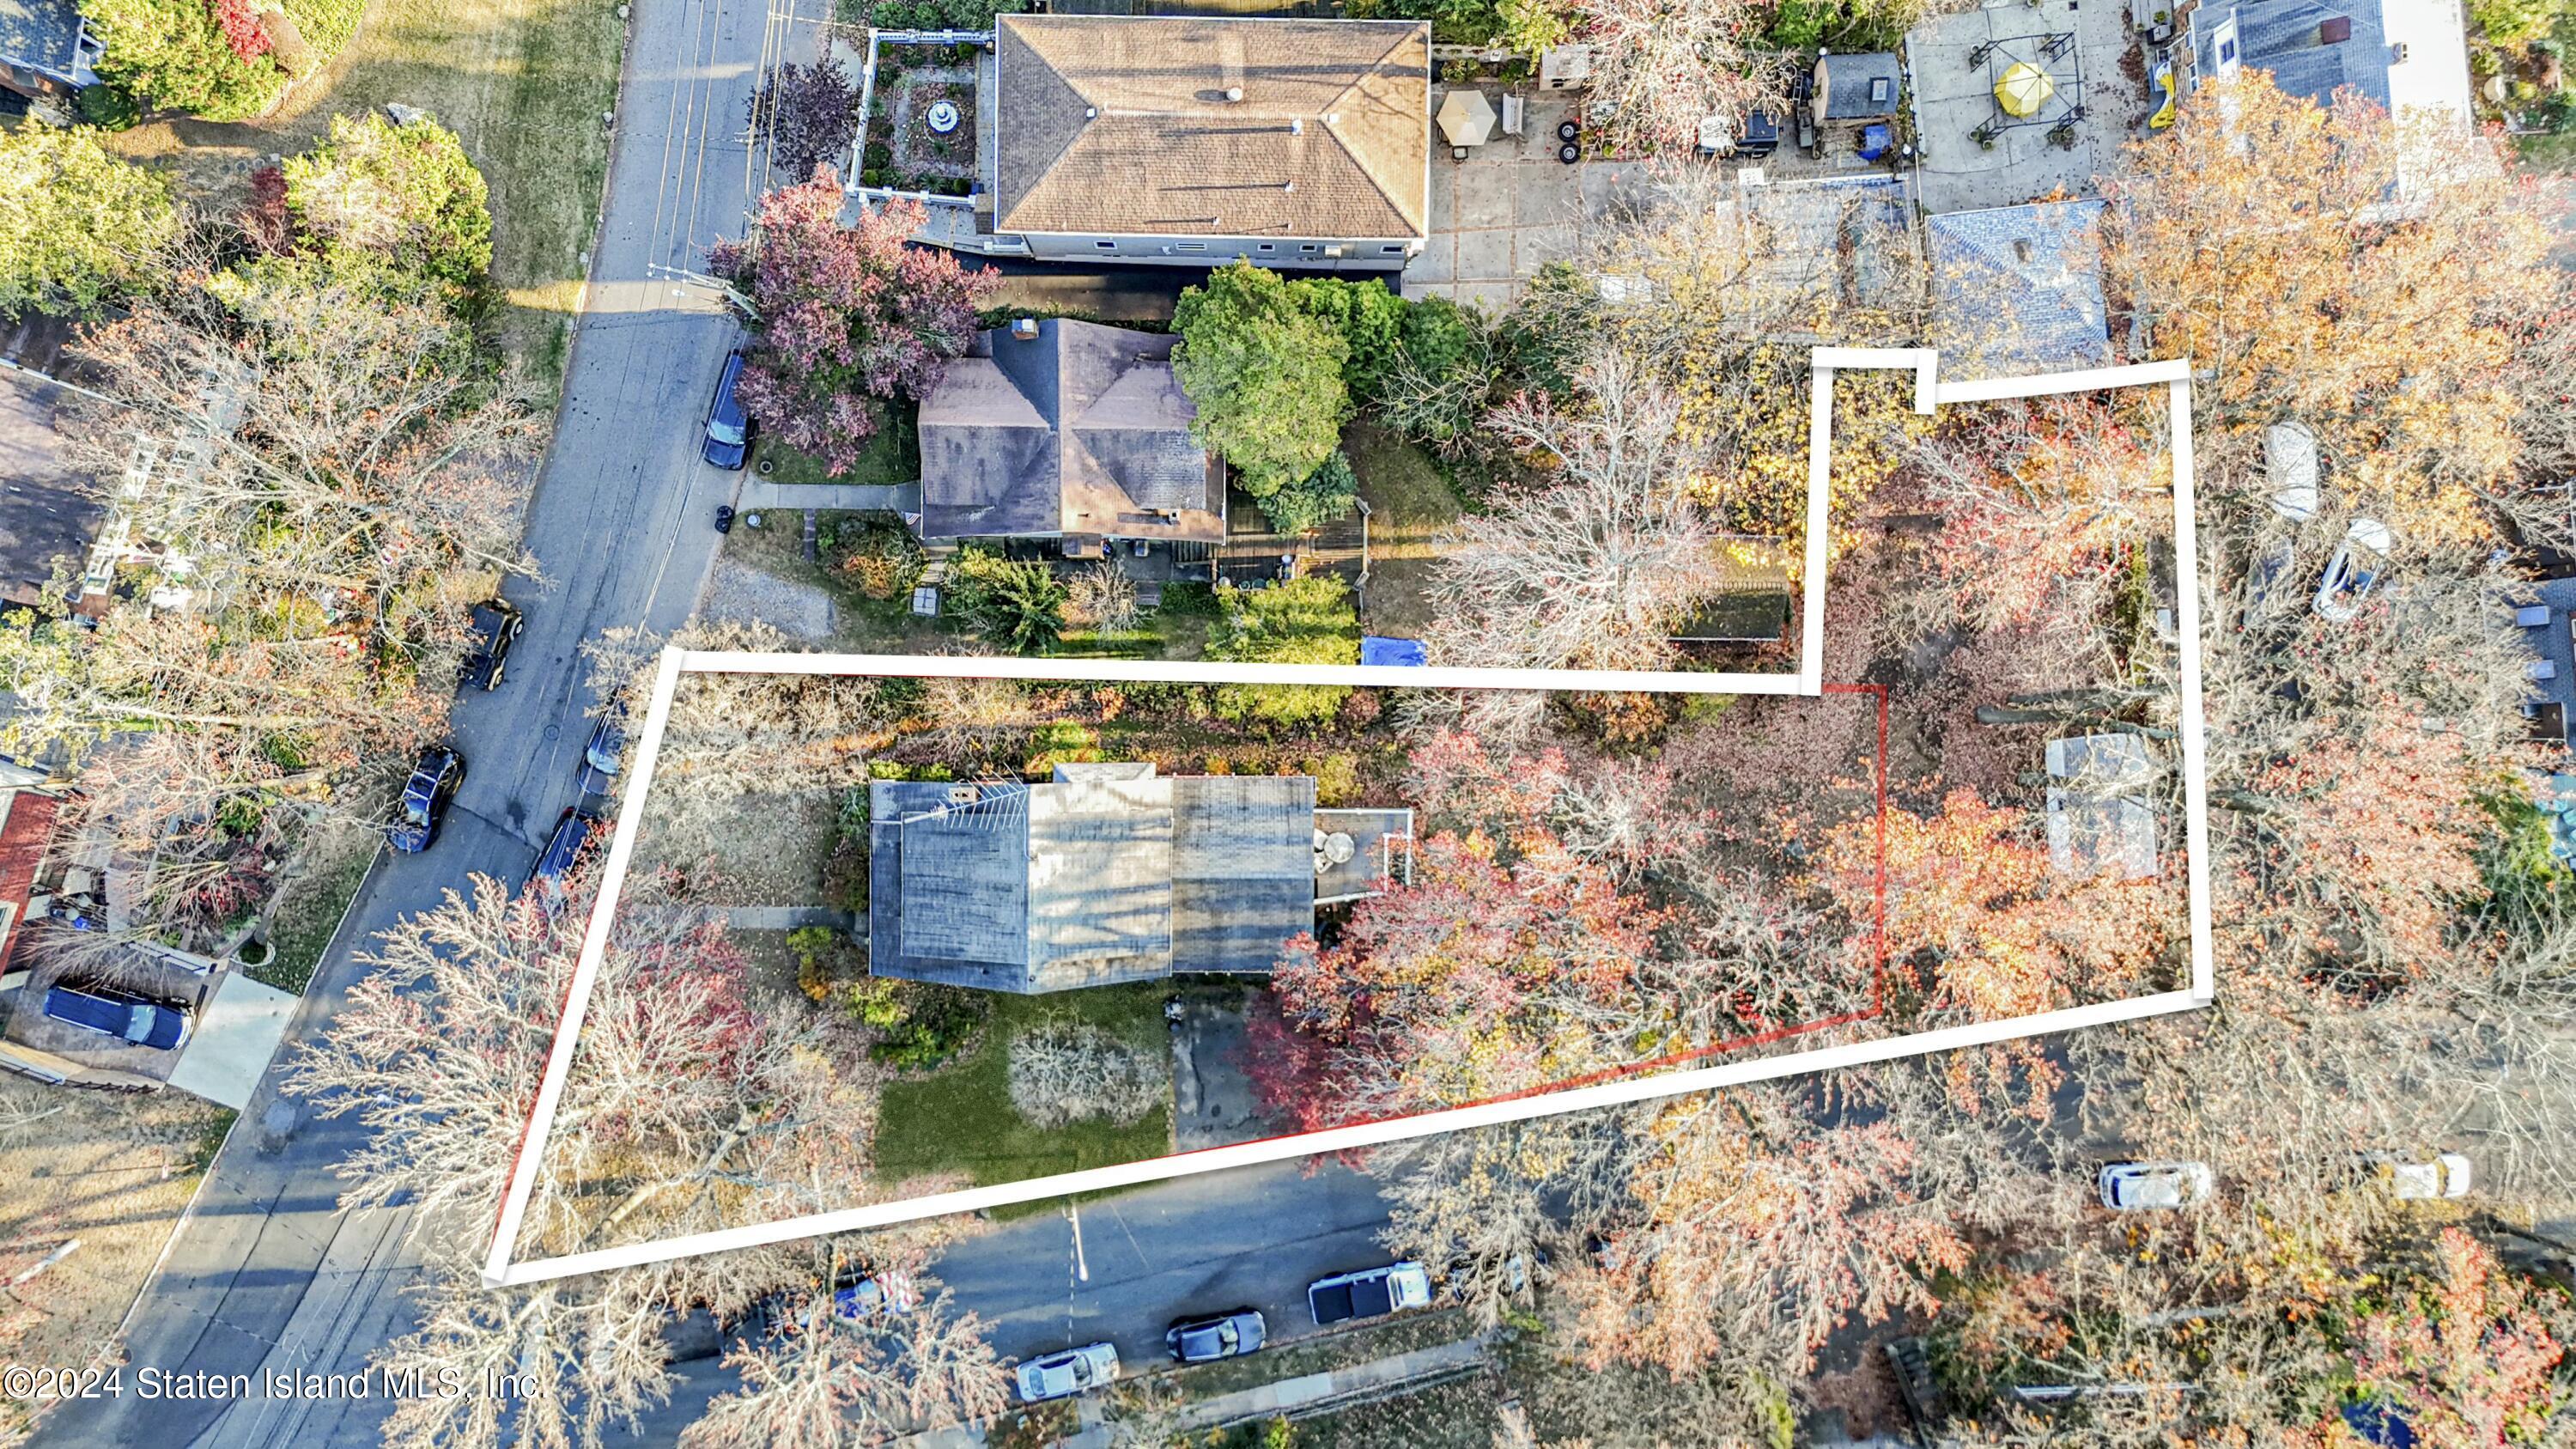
(1314, 1391)
(759, 493)
(786, 918)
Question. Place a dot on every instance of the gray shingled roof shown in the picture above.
(1104, 874)
(2097, 825)
(2018, 289)
(1083, 430)
(1120, 126)
(43, 34)
(2284, 37)
(1847, 88)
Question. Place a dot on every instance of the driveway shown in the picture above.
(265, 1272)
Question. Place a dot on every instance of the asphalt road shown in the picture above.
(1253, 1238)
(266, 1273)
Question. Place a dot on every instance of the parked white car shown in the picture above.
(2444, 1175)
(1073, 1371)
(2356, 568)
(2129, 1187)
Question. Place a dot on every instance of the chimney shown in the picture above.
(1234, 93)
(2334, 30)
(1024, 329)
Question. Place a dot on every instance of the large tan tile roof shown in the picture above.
(1118, 125)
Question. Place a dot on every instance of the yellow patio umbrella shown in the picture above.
(2024, 89)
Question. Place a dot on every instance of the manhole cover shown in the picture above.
(943, 118)
(553, 730)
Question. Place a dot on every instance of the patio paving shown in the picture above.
(1510, 208)
(1953, 97)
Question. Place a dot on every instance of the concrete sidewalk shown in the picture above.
(759, 494)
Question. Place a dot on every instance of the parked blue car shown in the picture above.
(729, 428)
(110, 1012)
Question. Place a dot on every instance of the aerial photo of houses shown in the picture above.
(1318, 724)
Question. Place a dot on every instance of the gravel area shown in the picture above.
(744, 594)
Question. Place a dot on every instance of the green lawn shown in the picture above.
(960, 1119)
(310, 907)
(2548, 153)
(892, 456)
(1410, 506)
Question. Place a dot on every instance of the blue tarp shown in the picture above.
(1874, 141)
(1405, 653)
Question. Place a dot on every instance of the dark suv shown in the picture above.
(110, 1012)
(497, 623)
(729, 430)
(425, 797)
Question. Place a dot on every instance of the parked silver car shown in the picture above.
(2129, 1187)
(2445, 1174)
(1072, 1371)
(2359, 563)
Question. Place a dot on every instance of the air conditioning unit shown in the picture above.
(2397, 53)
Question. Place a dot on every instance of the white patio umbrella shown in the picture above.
(1466, 117)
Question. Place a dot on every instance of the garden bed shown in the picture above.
(902, 150)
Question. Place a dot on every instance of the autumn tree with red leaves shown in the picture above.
(849, 316)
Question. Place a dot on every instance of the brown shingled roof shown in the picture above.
(1120, 125)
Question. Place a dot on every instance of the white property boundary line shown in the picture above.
(500, 1271)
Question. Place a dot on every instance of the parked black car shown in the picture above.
(110, 1012)
(729, 430)
(497, 623)
(425, 797)
(572, 832)
(1227, 1335)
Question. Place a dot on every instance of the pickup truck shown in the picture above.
(1369, 1293)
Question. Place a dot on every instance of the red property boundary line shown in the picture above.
(1878, 974)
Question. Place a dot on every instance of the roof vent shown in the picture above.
(1296, 125)
(1024, 329)
(1332, 118)
(2397, 53)
(2021, 249)
(1091, 113)
(1234, 93)
(1287, 185)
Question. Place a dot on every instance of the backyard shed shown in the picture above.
(1862, 86)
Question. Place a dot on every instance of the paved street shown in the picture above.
(1255, 1237)
(267, 1272)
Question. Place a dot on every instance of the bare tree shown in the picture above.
(820, 1380)
(1594, 568)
